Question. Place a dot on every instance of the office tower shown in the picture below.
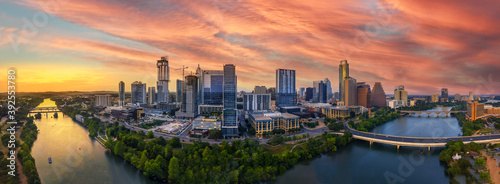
(435, 98)
(475, 110)
(364, 94)
(138, 90)
(272, 91)
(180, 84)
(212, 84)
(229, 112)
(329, 91)
(322, 93)
(471, 96)
(121, 93)
(457, 97)
(101, 100)
(336, 95)
(302, 91)
(378, 95)
(260, 90)
(253, 102)
(309, 94)
(163, 79)
(350, 91)
(444, 95)
(401, 95)
(343, 73)
(199, 74)
(285, 88)
(151, 95)
(316, 91)
(190, 102)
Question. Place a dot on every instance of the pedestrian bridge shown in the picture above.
(428, 113)
(419, 141)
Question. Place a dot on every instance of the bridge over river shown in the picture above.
(418, 141)
(447, 113)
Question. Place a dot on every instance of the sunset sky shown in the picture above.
(87, 45)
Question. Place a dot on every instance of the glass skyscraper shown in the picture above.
(229, 112)
(343, 73)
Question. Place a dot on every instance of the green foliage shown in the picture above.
(275, 140)
(151, 125)
(469, 127)
(56, 115)
(335, 126)
(382, 116)
(151, 134)
(215, 134)
(173, 170)
(38, 116)
(175, 142)
(480, 162)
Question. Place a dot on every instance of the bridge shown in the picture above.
(447, 113)
(44, 110)
(418, 141)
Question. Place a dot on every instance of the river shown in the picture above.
(359, 162)
(77, 158)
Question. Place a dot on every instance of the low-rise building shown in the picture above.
(201, 126)
(342, 111)
(267, 121)
(315, 107)
(395, 103)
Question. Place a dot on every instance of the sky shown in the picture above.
(88, 45)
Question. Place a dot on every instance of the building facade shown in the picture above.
(435, 98)
(401, 95)
(190, 102)
(309, 94)
(212, 87)
(444, 95)
(138, 90)
(267, 121)
(180, 84)
(343, 73)
(252, 102)
(474, 110)
(260, 90)
(229, 113)
(350, 91)
(286, 94)
(341, 111)
(151, 95)
(102, 100)
(364, 94)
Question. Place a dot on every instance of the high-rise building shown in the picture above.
(474, 110)
(163, 79)
(378, 95)
(285, 88)
(343, 73)
(309, 94)
(471, 96)
(364, 94)
(180, 84)
(302, 92)
(272, 91)
(199, 74)
(457, 97)
(260, 90)
(444, 95)
(121, 93)
(316, 91)
(229, 112)
(101, 100)
(190, 102)
(435, 98)
(401, 95)
(138, 90)
(253, 102)
(322, 93)
(350, 91)
(329, 91)
(212, 84)
(151, 95)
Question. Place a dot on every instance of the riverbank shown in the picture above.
(491, 165)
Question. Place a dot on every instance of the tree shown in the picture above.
(215, 134)
(275, 140)
(5, 139)
(151, 134)
(173, 170)
(353, 114)
(55, 115)
(119, 148)
(175, 142)
(38, 116)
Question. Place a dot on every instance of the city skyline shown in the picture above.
(88, 51)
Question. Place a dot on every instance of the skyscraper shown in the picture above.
(378, 95)
(138, 90)
(179, 86)
(329, 91)
(302, 92)
(121, 93)
(343, 73)
(316, 91)
(350, 91)
(151, 95)
(101, 100)
(471, 96)
(253, 102)
(212, 84)
(401, 94)
(229, 112)
(285, 88)
(322, 93)
(364, 94)
(190, 102)
(309, 94)
(163, 79)
(444, 95)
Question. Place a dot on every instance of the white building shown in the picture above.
(395, 103)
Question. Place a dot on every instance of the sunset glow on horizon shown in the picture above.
(91, 45)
